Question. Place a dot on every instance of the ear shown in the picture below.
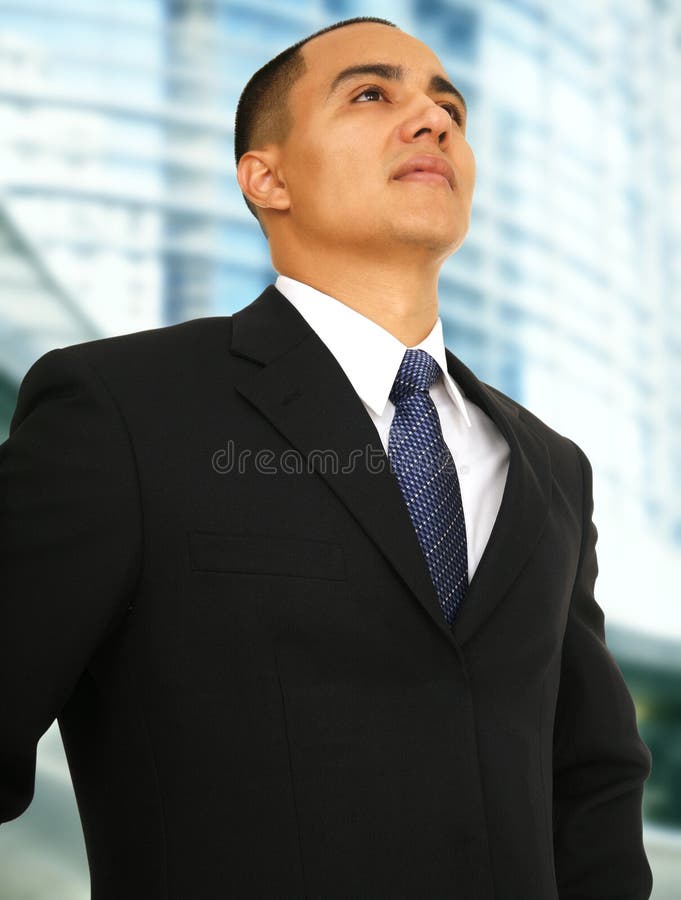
(260, 181)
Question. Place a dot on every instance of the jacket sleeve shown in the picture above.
(600, 761)
(70, 550)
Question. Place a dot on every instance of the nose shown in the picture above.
(430, 123)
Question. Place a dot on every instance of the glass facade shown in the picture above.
(36, 312)
(119, 210)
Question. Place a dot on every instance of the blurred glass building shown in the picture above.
(119, 210)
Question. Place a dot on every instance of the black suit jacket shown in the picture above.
(258, 694)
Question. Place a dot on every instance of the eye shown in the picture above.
(369, 90)
(453, 111)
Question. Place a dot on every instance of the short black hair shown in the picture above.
(262, 113)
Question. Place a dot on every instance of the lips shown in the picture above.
(432, 166)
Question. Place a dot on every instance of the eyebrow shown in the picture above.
(437, 84)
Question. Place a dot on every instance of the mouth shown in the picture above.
(426, 169)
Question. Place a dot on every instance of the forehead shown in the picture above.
(364, 42)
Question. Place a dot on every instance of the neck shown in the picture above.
(400, 298)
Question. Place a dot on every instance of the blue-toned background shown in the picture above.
(119, 210)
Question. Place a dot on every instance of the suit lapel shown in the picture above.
(524, 505)
(303, 392)
(307, 397)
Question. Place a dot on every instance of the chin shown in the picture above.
(439, 240)
(432, 225)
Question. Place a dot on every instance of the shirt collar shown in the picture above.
(368, 354)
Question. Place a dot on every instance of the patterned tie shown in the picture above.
(426, 474)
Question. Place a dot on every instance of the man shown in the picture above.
(282, 667)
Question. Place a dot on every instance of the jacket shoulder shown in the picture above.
(177, 341)
(153, 367)
(530, 419)
(565, 453)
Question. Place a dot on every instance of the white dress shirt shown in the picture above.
(370, 357)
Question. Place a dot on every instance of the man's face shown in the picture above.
(353, 134)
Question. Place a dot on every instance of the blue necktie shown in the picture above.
(426, 474)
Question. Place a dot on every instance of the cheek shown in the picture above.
(341, 182)
(320, 174)
(465, 161)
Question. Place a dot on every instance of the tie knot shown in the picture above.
(418, 370)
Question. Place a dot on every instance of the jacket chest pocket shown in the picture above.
(265, 554)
